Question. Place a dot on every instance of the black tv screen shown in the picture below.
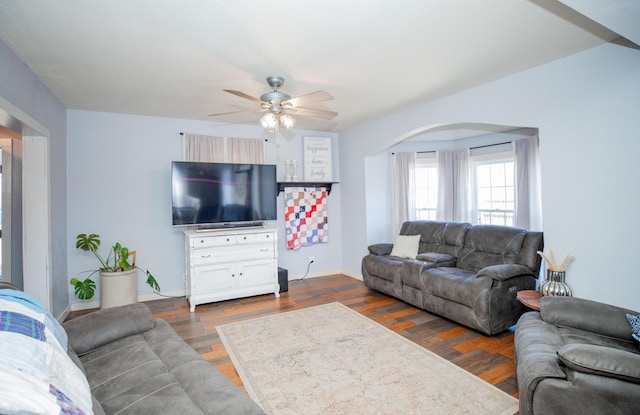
(222, 193)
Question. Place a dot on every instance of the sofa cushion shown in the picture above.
(405, 246)
(436, 236)
(604, 320)
(490, 245)
(411, 272)
(156, 372)
(455, 284)
(115, 323)
(602, 361)
(385, 267)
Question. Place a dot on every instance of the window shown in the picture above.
(426, 182)
(493, 190)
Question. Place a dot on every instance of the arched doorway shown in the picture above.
(433, 137)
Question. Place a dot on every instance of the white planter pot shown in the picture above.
(118, 288)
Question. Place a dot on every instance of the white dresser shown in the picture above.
(226, 264)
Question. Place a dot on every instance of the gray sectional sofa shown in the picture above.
(469, 274)
(118, 360)
(577, 356)
(136, 364)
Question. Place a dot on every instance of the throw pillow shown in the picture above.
(406, 246)
(634, 321)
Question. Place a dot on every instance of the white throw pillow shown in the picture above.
(406, 246)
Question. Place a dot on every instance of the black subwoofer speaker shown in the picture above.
(283, 280)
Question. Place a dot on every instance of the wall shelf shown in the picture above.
(282, 185)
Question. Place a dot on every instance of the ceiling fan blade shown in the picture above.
(311, 98)
(309, 112)
(238, 112)
(243, 95)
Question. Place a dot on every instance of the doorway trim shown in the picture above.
(36, 207)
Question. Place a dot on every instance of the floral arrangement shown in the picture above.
(552, 265)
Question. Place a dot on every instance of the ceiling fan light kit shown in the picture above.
(278, 105)
(287, 121)
(269, 121)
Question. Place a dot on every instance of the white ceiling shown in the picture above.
(172, 58)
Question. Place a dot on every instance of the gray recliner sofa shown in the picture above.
(469, 274)
(136, 364)
(577, 356)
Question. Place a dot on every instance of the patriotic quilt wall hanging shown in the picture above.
(305, 216)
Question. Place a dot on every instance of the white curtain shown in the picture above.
(528, 209)
(222, 149)
(245, 150)
(453, 179)
(204, 148)
(404, 197)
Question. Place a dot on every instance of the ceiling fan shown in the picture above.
(278, 106)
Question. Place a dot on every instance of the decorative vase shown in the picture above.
(555, 285)
(118, 288)
(287, 170)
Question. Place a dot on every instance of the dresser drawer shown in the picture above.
(213, 241)
(252, 238)
(238, 253)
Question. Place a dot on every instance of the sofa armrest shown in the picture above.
(587, 315)
(94, 330)
(602, 361)
(502, 272)
(381, 249)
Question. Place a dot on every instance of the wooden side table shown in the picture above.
(530, 298)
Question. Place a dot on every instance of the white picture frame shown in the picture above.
(317, 159)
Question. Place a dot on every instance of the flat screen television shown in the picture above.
(222, 194)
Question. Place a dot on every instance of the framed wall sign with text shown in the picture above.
(317, 159)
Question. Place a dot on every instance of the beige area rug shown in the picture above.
(330, 359)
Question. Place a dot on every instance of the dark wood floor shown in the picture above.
(490, 358)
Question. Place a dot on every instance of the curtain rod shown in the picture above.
(181, 133)
(470, 148)
(490, 145)
(419, 152)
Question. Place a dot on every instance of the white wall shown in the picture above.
(585, 107)
(30, 97)
(119, 187)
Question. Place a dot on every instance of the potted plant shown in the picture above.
(117, 275)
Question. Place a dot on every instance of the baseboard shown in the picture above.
(65, 313)
(352, 275)
(162, 296)
(325, 273)
(86, 305)
(312, 275)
